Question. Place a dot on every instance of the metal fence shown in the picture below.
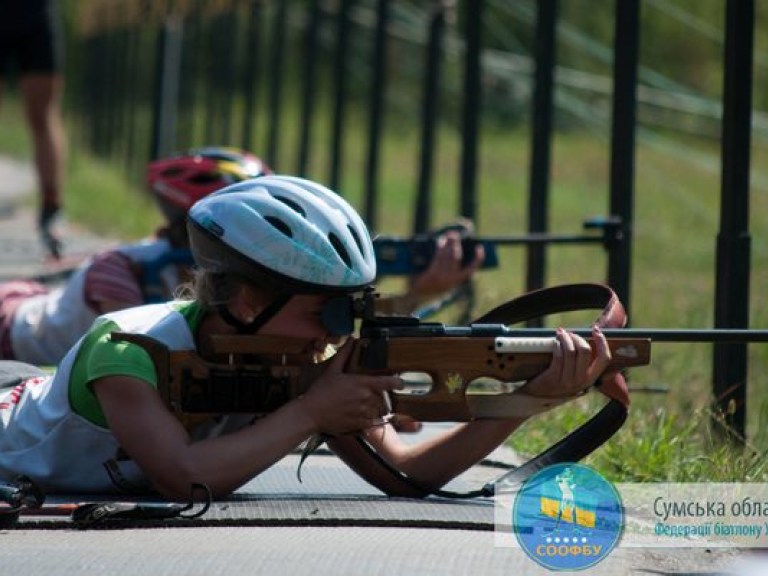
(144, 70)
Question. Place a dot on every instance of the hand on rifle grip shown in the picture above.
(339, 402)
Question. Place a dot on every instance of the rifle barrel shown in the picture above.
(542, 238)
(660, 334)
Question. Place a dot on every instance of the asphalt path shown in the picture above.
(21, 251)
(267, 549)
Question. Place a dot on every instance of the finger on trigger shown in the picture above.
(387, 402)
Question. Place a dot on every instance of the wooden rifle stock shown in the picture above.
(453, 364)
(257, 374)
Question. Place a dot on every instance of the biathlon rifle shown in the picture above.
(409, 255)
(255, 374)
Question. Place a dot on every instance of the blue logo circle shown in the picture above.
(567, 517)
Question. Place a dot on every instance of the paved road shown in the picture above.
(21, 253)
(271, 550)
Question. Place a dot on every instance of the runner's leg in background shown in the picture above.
(42, 105)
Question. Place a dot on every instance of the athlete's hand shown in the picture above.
(445, 270)
(575, 366)
(340, 403)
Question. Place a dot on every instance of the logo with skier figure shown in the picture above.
(567, 517)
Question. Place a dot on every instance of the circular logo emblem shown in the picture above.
(567, 517)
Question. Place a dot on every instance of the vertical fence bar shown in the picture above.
(198, 71)
(541, 142)
(159, 96)
(166, 86)
(208, 75)
(108, 94)
(473, 12)
(227, 61)
(126, 118)
(131, 97)
(90, 55)
(107, 89)
(340, 93)
(376, 113)
(733, 240)
(307, 81)
(217, 113)
(121, 88)
(251, 72)
(115, 92)
(276, 67)
(134, 49)
(429, 114)
(100, 95)
(622, 171)
(185, 135)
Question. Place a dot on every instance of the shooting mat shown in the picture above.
(330, 494)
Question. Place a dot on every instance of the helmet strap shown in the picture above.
(257, 323)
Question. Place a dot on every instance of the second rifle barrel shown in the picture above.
(659, 334)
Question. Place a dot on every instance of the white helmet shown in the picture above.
(293, 233)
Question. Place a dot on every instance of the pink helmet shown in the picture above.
(181, 180)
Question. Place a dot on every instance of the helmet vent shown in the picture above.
(293, 205)
(280, 225)
(356, 237)
(206, 178)
(340, 249)
(172, 171)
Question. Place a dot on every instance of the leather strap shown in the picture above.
(593, 434)
(557, 299)
(569, 298)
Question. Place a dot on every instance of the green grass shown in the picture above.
(97, 193)
(99, 197)
(669, 436)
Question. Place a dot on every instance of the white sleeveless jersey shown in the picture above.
(41, 436)
(46, 326)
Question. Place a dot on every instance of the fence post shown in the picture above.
(429, 114)
(133, 98)
(376, 115)
(341, 57)
(251, 72)
(166, 86)
(622, 171)
(733, 240)
(472, 107)
(308, 94)
(541, 136)
(276, 66)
